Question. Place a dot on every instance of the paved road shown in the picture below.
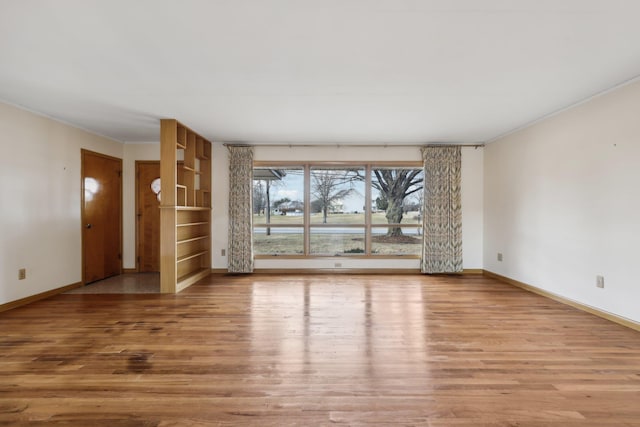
(409, 231)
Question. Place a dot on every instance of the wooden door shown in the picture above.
(101, 216)
(148, 214)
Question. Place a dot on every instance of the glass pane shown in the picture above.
(337, 195)
(337, 241)
(396, 195)
(396, 240)
(278, 241)
(278, 195)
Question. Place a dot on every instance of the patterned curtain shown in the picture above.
(240, 255)
(442, 219)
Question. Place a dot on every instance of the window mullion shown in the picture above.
(307, 209)
(367, 211)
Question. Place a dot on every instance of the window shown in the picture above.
(278, 211)
(397, 203)
(346, 210)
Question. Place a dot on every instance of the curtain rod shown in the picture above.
(229, 144)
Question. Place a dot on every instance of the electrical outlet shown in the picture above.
(223, 252)
(600, 281)
(22, 274)
(337, 264)
(499, 256)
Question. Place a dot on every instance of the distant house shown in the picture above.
(294, 207)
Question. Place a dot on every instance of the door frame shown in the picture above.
(84, 151)
(139, 162)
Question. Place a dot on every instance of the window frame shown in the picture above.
(306, 226)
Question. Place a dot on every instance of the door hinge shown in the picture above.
(119, 256)
(119, 174)
(138, 260)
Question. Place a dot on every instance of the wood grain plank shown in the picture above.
(351, 350)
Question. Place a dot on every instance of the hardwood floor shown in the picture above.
(317, 350)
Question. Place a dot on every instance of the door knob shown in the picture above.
(88, 225)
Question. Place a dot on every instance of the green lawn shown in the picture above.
(330, 244)
(345, 242)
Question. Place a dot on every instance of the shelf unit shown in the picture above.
(185, 206)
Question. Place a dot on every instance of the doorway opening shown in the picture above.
(148, 195)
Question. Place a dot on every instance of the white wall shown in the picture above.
(562, 202)
(40, 226)
(472, 211)
(40, 185)
(472, 207)
(220, 204)
(132, 152)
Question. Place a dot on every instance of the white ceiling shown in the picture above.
(313, 71)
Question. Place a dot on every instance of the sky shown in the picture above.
(292, 187)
